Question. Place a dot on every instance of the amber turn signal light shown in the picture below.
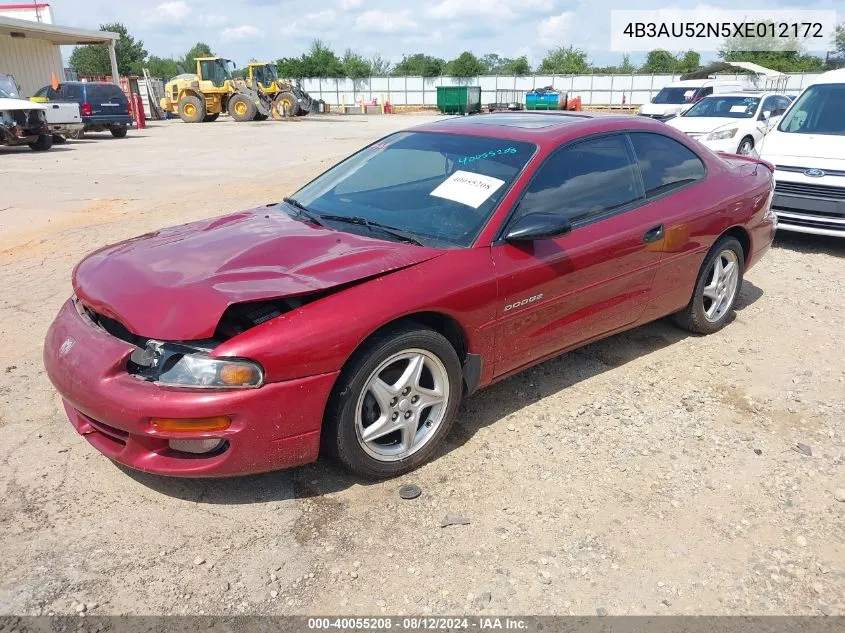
(190, 425)
(238, 375)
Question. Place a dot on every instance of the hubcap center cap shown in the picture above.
(404, 405)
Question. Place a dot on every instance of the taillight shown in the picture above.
(86, 109)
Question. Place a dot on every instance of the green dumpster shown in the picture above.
(459, 99)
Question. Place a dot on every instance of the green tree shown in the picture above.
(321, 61)
(660, 61)
(519, 66)
(200, 49)
(772, 53)
(380, 66)
(291, 67)
(162, 67)
(839, 39)
(689, 62)
(464, 65)
(627, 66)
(419, 65)
(93, 59)
(564, 60)
(355, 66)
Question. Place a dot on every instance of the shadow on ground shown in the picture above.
(812, 244)
(483, 409)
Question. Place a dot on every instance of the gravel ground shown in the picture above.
(651, 473)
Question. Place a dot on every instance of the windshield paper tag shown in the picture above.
(468, 188)
(739, 108)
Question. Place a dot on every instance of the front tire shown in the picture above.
(716, 289)
(394, 403)
(44, 142)
(746, 146)
(192, 109)
(241, 108)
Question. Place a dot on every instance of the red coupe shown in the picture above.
(354, 316)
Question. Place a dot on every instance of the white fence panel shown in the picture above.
(593, 89)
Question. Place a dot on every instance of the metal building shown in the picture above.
(30, 50)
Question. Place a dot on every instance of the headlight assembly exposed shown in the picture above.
(722, 134)
(179, 365)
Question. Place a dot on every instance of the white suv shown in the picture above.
(808, 151)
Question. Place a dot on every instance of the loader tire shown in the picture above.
(192, 109)
(241, 108)
(284, 106)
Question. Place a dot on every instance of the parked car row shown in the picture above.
(53, 115)
(803, 137)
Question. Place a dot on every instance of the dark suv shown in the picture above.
(103, 105)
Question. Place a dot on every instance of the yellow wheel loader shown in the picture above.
(287, 98)
(201, 97)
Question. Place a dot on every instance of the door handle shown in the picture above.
(652, 235)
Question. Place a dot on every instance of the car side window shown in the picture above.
(72, 92)
(780, 106)
(769, 104)
(704, 92)
(665, 163)
(42, 92)
(584, 180)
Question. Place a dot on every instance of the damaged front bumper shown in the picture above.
(272, 427)
(20, 127)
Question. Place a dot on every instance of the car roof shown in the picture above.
(542, 128)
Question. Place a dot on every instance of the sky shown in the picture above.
(268, 29)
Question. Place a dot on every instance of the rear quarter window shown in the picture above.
(665, 163)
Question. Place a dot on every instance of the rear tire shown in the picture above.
(119, 132)
(44, 142)
(192, 109)
(716, 289)
(241, 108)
(380, 389)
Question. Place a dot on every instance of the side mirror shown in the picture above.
(766, 115)
(538, 226)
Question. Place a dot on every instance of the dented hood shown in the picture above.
(176, 283)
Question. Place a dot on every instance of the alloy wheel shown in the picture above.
(402, 405)
(721, 287)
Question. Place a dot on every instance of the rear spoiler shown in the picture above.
(734, 158)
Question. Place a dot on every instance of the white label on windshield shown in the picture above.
(688, 94)
(468, 188)
(739, 108)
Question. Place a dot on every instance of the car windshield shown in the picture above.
(819, 110)
(726, 107)
(439, 188)
(4, 94)
(675, 95)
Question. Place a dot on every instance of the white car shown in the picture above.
(808, 151)
(735, 122)
(677, 96)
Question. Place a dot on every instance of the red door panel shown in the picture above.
(594, 280)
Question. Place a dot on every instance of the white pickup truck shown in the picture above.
(63, 118)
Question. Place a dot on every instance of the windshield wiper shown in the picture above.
(303, 211)
(371, 224)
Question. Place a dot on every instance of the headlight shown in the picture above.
(721, 134)
(180, 365)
